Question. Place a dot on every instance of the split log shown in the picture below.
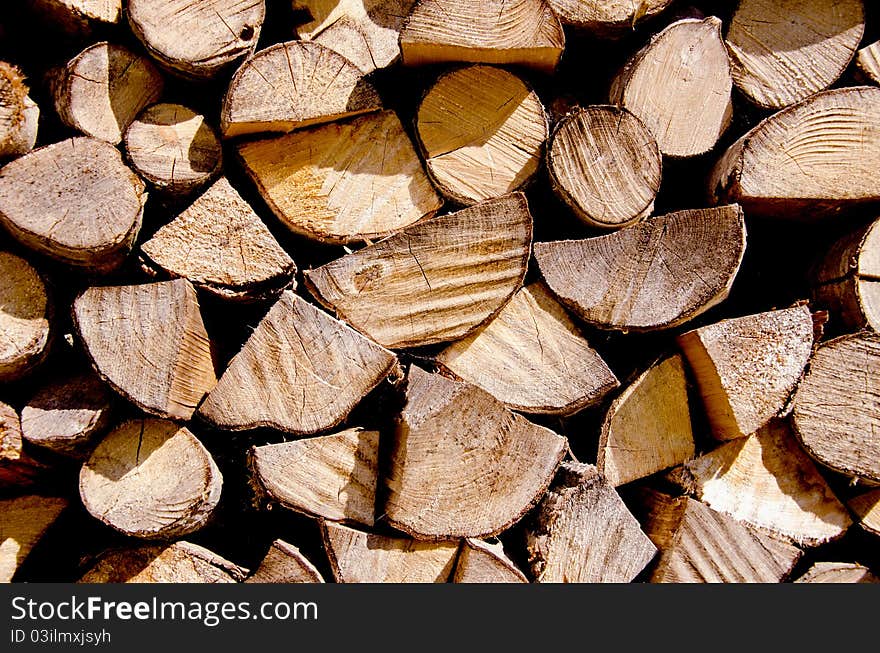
(78, 17)
(102, 90)
(462, 465)
(868, 62)
(700, 545)
(518, 33)
(747, 367)
(838, 572)
(173, 148)
(532, 357)
(167, 366)
(358, 557)
(481, 562)
(784, 52)
(606, 165)
(67, 414)
(648, 427)
(333, 477)
(17, 468)
(152, 479)
(866, 507)
(680, 86)
(435, 281)
(220, 245)
(197, 38)
(19, 115)
(75, 201)
(482, 131)
(343, 182)
(656, 274)
(582, 532)
(812, 159)
(285, 564)
(25, 317)
(23, 521)
(607, 18)
(836, 411)
(180, 562)
(300, 372)
(293, 85)
(768, 482)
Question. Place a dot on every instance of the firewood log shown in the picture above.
(606, 18)
(181, 562)
(19, 114)
(25, 317)
(866, 508)
(838, 572)
(868, 62)
(23, 521)
(18, 469)
(482, 562)
(78, 17)
(285, 564)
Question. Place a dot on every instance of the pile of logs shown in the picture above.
(439, 291)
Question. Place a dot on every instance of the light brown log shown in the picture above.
(482, 131)
(838, 572)
(747, 367)
(149, 343)
(462, 465)
(836, 413)
(78, 17)
(344, 182)
(435, 281)
(606, 165)
(181, 562)
(783, 51)
(333, 477)
(25, 317)
(868, 62)
(532, 357)
(173, 148)
(293, 85)
(607, 18)
(300, 372)
(17, 468)
(680, 86)
(220, 245)
(813, 159)
(482, 562)
(152, 479)
(23, 521)
(359, 557)
(582, 532)
(19, 114)
(866, 508)
(657, 274)
(285, 564)
(75, 201)
(197, 38)
(768, 482)
(700, 545)
(648, 426)
(500, 32)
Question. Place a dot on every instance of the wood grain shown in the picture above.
(19, 114)
(25, 317)
(284, 563)
(482, 562)
(23, 521)
(180, 562)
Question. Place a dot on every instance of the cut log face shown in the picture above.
(521, 33)
(343, 182)
(197, 38)
(868, 62)
(482, 130)
(783, 52)
(462, 465)
(168, 368)
(79, 17)
(435, 281)
(294, 85)
(747, 367)
(75, 201)
(648, 427)
(173, 148)
(605, 164)
(583, 533)
(812, 159)
(221, 245)
(25, 312)
(67, 414)
(17, 468)
(481, 562)
(333, 477)
(285, 564)
(606, 18)
(151, 479)
(358, 557)
(300, 372)
(836, 411)
(23, 521)
(532, 357)
(866, 507)
(180, 562)
(767, 481)
(700, 545)
(680, 86)
(838, 572)
(19, 115)
(657, 274)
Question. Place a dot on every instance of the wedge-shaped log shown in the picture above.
(868, 62)
(434, 282)
(285, 564)
(18, 469)
(300, 372)
(25, 315)
(181, 562)
(866, 507)
(481, 562)
(19, 114)
(606, 18)
(78, 17)
(838, 572)
(23, 522)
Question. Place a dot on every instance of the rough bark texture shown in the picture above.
(19, 114)
(606, 18)
(23, 521)
(838, 572)
(25, 317)
(481, 562)
(285, 564)
(181, 562)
